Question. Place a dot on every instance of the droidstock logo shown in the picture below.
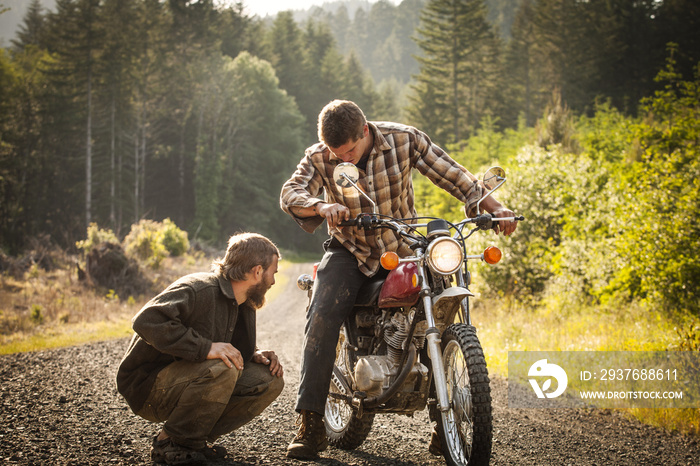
(543, 369)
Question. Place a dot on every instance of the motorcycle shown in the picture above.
(409, 342)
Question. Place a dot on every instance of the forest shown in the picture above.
(114, 111)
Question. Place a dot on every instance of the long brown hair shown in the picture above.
(245, 251)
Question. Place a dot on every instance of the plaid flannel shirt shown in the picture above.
(387, 181)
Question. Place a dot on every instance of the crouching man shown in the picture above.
(192, 362)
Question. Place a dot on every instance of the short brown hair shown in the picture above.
(245, 251)
(340, 122)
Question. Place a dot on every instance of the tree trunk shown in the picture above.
(112, 166)
(88, 154)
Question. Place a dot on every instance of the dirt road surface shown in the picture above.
(61, 407)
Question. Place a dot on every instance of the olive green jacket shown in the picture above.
(181, 323)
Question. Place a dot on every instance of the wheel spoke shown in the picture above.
(457, 421)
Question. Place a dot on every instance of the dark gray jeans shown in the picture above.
(338, 279)
(201, 401)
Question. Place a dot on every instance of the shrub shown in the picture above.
(174, 239)
(145, 242)
(36, 314)
(152, 241)
(95, 236)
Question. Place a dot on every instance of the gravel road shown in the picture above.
(61, 407)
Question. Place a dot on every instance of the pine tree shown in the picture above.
(357, 85)
(325, 69)
(457, 67)
(117, 63)
(249, 139)
(32, 30)
(75, 39)
(25, 170)
(287, 55)
(521, 66)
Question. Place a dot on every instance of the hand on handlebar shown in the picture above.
(333, 213)
(506, 227)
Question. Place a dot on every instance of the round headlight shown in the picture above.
(445, 256)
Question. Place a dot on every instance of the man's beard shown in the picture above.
(256, 294)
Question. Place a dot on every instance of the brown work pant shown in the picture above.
(201, 401)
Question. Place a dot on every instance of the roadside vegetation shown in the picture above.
(50, 298)
(607, 258)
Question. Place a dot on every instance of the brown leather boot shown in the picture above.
(311, 438)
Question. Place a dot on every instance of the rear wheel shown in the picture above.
(465, 429)
(344, 429)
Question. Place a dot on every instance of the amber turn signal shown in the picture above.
(389, 260)
(492, 255)
(415, 280)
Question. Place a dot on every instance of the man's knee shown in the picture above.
(256, 379)
(276, 386)
(221, 383)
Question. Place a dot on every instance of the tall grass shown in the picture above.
(47, 309)
(505, 326)
(66, 335)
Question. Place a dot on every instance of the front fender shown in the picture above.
(445, 304)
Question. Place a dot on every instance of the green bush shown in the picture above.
(174, 239)
(36, 314)
(152, 241)
(145, 242)
(662, 236)
(535, 190)
(95, 236)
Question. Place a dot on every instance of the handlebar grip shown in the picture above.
(365, 221)
(496, 222)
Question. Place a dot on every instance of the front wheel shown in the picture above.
(465, 429)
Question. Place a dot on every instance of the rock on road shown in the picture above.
(61, 407)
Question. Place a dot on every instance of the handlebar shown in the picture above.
(489, 222)
(364, 221)
(483, 221)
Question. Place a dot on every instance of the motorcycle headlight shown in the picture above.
(445, 256)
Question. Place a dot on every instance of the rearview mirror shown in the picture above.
(493, 179)
(345, 174)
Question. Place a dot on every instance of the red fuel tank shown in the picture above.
(399, 289)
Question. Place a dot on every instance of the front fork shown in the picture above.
(433, 345)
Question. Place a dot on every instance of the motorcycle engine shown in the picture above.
(373, 374)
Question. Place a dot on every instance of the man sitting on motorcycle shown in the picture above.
(385, 153)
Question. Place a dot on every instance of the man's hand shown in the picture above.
(269, 358)
(506, 227)
(497, 210)
(227, 353)
(333, 213)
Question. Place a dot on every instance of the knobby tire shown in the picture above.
(462, 338)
